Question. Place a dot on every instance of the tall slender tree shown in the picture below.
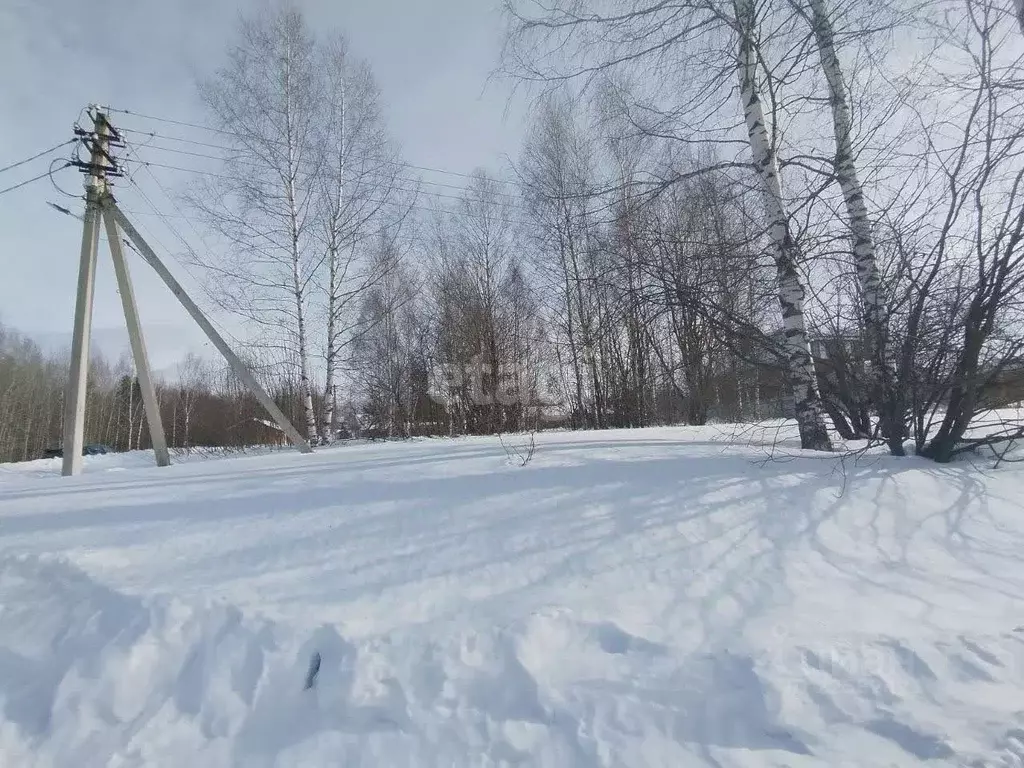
(360, 192)
(857, 216)
(267, 100)
(801, 373)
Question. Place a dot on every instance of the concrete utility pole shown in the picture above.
(97, 192)
(138, 344)
(74, 401)
(99, 202)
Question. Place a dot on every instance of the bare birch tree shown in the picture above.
(856, 212)
(388, 355)
(801, 373)
(958, 292)
(565, 41)
(473, 263)
(359, 194)
(558, 179)
(267, 100)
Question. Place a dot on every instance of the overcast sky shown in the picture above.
(431, 58)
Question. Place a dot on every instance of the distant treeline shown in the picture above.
(204, 407)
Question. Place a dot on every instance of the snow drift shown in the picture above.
(634, 599)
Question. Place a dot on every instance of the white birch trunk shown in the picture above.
(800, 369)
(138, 432)
(853, 197)
(305, 386)
(298, 288)
(333, 289)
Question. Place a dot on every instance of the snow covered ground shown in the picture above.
(629, 598)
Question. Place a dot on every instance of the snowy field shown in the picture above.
(629, 598)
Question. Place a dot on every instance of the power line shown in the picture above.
(398, 203)
(439, 195)
(164, 218)
(37, 155)
(170, 253)
(395, 163)
(214, 174)
(165, 137)
(174, 203)
(181, 215)
(221, 131)
(149, 164)
(242, 136)
(50, 173)
(370, 174)
(184, 123)
(42, 175)
(664, 241)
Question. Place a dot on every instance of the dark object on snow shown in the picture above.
(314, 668)
(94, 449)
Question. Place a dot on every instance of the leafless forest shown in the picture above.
(725, 211)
